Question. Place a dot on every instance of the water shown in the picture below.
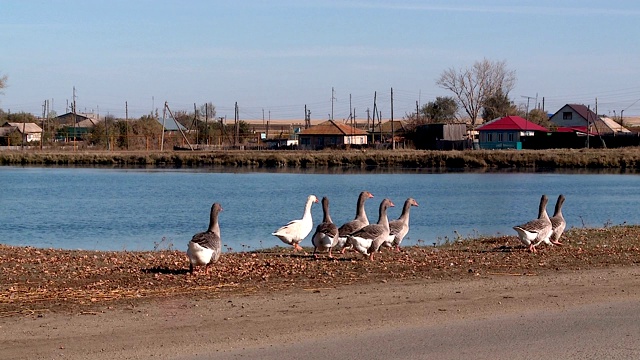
(138, 209)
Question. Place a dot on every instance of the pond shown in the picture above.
(147, 209)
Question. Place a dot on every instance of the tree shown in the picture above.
(473, 86)
(21, 117)
(207, 110)
(498, 105)
(3, 83)
(443, 110)
(541, 118)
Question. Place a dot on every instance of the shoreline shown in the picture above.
(279, 304)
(623, 159)
(34, 279)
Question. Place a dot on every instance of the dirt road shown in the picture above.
(570, 314)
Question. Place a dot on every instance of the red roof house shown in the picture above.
(507, 132)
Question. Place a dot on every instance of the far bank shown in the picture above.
(625, 159)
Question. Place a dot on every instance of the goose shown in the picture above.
(400, 228)
(205, 247)
(536, 230)
(375, 234)
(356, 224)
(557, 222)
(296, 230)
(326, 235)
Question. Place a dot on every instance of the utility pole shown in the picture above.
(74, 118)
(368, 119)
(195, 121)
(528, 98)
(332, 98)
(44, 111)
(236, 130)
(375, 112)
(126, 122)
(164, 116)
(24, 135)
(307, 117)
(393, 139)
(588, 131)
(206, 121)
(184, 137)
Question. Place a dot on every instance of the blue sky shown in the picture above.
(278, 56)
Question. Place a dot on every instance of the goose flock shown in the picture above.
(361, 236)
(543, 229)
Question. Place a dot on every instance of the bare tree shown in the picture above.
(473, 86)
(3, 82)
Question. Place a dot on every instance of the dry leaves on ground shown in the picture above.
(35, 280)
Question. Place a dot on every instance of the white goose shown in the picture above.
(536, 230)
(373, 234)
(326, 235)
(400, 228)
(205, 247)
(296, 230)
(356, 224)
(557, 222)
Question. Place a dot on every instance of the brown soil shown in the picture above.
(36, 281)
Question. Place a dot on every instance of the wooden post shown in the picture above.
(393, 140)
(126, 122)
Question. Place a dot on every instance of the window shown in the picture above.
(489, 137)
(500, 137)
(567, 115)
(511, 137)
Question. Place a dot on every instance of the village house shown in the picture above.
(576, 117)
(442, 136)
(507, 132)
(30, 132)
(382, 132)
(331, 134)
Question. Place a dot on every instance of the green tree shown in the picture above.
(473, 86)
(541, 118)
(21, 117)
(443, 110)
(498, 105)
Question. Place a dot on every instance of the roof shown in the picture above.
(582, 110)
(331, 127)
(511, 123)
(87, 123)
(171, 125)
(78, 116)
(398, 126)
(582, 130)
(613, 125)
(28, 128)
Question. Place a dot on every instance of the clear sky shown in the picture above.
(278, 56)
